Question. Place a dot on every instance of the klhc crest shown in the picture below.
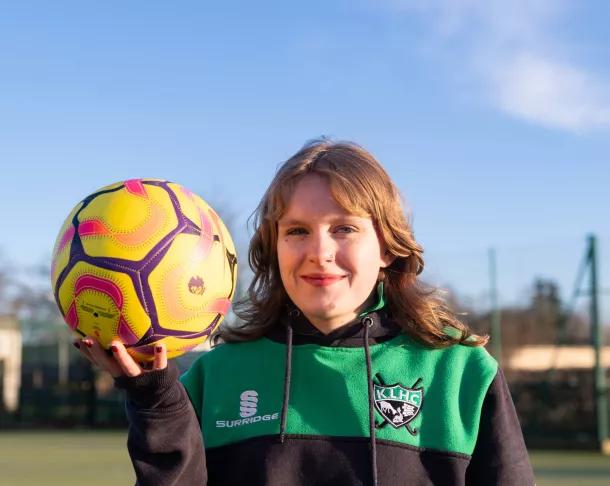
(397, 404)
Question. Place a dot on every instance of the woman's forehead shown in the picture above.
(313, 195)
(296, 213)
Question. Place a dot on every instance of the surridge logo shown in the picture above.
(397, 404)
(248, 408)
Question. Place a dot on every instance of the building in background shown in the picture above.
(10, 363)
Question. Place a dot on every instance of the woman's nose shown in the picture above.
(322, 249)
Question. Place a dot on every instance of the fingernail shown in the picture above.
(76, 345)
(158, 349)
(89, 344)
(114, 349)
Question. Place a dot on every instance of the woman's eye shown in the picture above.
(345, 229)
(296, 231)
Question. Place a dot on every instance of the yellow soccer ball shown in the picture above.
(144, 261)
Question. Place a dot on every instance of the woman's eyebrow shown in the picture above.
(290, 222)
(340, 217)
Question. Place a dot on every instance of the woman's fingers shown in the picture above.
(160, 361)
(126, 363)
(83, 349)
(100, 357)
(117, 361)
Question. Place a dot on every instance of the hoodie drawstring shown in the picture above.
(367, 322)
(287, 377)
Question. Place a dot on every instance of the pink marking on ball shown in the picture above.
(220, 306)
(204, 244)
(135, 187)
(206, 238)
(206, 225)
(92, 227)
(186, 192)
(150, 227)
(88, 282)
(218, 224)
(72, 317)
(125, 333)
(65, 239)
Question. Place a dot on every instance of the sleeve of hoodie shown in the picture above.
(164, 438)
(500, 456)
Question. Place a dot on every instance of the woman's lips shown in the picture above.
(321, 280)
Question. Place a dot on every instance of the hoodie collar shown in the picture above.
(381, 327)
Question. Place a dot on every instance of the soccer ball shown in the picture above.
(144, 261)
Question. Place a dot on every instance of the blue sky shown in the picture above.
(492, 117)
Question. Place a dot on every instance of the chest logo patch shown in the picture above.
(398, 404)
(248, 409)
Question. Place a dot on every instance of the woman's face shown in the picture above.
(329, 259)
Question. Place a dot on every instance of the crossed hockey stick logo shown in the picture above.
(397, 404)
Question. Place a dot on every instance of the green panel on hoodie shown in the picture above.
(328, 394)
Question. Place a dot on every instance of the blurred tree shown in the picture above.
(537, 322)
(32, 301)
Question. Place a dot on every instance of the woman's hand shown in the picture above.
(119, 362)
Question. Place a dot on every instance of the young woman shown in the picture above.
(346, 370)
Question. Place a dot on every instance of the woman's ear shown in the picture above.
(386, 255)
(387, 258)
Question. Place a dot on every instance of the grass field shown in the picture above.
(100, 458)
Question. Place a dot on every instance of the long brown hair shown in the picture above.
(360, 185)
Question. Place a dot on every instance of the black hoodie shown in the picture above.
(477, 441)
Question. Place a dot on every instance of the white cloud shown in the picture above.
(550, 93)
(519, 59)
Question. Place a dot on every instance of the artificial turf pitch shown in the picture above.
(95, 458)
